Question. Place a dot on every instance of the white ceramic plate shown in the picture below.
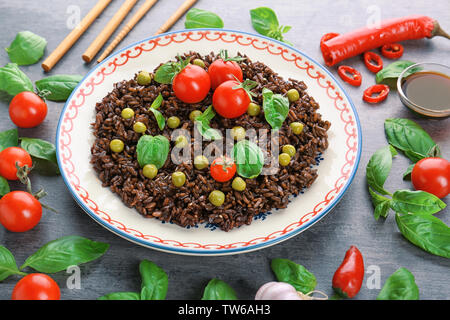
(336, 169)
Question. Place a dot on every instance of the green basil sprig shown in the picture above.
(276, 108)
(43, 154)
(265, 22)
(202, 125)
(198, 18)
(27, 48)
(378, 168)
(169, 70)
(218, 290)
(58, 87)
(295, 274)
(249, 159)
(4, 187)
(389, 74)
(406, 201)
(59, 254)
(8, 264)
(9, 138)
(425, 231)
(158, 115)
(13, 80)
(400, 285)
(121, 296)
(152, 150)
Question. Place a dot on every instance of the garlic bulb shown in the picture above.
(277, 291)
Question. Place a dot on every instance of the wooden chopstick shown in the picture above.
(176, 15)
(74, 35)
(127, 28)
(106, 33)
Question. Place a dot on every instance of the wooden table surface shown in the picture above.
(322, 247)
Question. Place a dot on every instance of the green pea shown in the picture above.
(150, 171)
(127, 113)
(116, 145)
(253, 109)
(217, 198)
(297, 127)
(181, 142)
(144, 78)
(289, 149)
(238, 133)
(199, 62)
(201, 162)
(238, 184)
(178, 178)
(293, 95)
(284, 159)
(139, 127)
(173, 122)
(194, 114)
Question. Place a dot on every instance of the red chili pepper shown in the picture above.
(348, 278)
(350, 75)
(392, 51)
(390, 31)
(326, 37)
(381, 91)
(373, 61)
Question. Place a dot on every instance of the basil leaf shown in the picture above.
(198, 18)
(159, 118)
(380, 203)
(389, 74)
(407, 201)
(121, 296)
(4, 187)
(8, 264)
(295, 274)
(400, 285)
(276, 108)
(13, 80)
(154, 281)
(264, 20)
(378, 168)
(43, 153)
(169, 70)
(59, 254)
(58, 87)
(27, 48)
(425, 231)
(202, 124)
(9, 138)
(218, 290)
(157, 102)
(407, 173)
(249, 159)
(408, 136)
(152, 150)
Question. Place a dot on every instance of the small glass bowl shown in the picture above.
(425, 66)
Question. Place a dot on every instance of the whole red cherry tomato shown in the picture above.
(36, 286)
(231, 98)
(8, 159)
(192, 84)
(348, 278)
(432, 175)
(225, 69)
(223, 169)
(27, 110)
(20, 211)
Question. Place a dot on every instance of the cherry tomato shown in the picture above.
(27, 110)
(221, 71)
(230, 100)
(8, 159)
(432, 175)
(223, 169)
(192, 84)
(20, 211)
(36, 286)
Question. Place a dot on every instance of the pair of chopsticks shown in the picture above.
(112, 25)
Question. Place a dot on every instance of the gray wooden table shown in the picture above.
(320, 248)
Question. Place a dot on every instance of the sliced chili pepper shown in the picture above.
(380, 90)
(348, 278)
(373, 61)
(326, 37)
(392, 51)
(350, 75)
